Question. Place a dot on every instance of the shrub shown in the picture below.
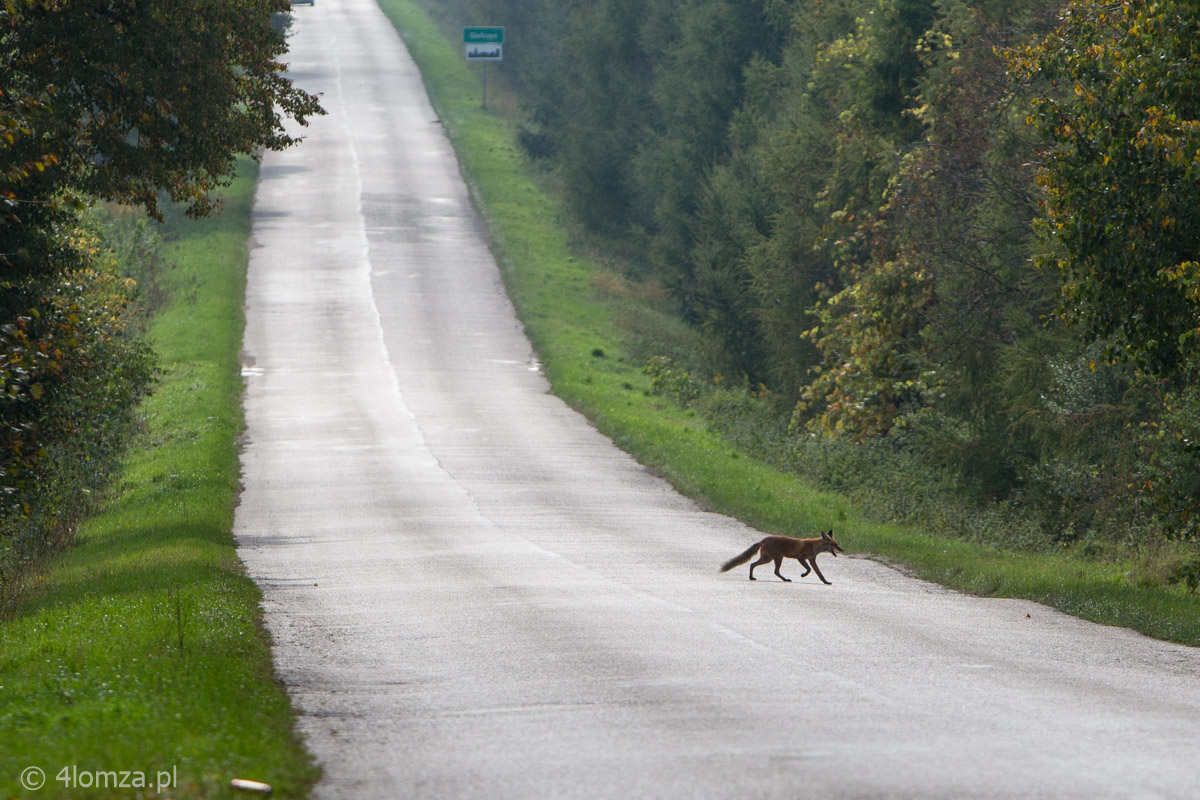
(668, 379)
(72, 370)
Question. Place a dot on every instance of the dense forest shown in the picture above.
(944, 254)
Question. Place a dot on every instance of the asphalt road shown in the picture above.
(475, 595)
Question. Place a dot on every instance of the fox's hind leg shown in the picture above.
(763, 559)
(807, 568)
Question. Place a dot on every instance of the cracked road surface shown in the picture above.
(473, 594)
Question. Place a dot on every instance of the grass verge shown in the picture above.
(136, 655)
(588, 359)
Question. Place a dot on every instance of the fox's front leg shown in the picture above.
(818, 571)
(807, 568)
(778, 564)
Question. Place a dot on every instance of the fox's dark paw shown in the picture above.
(785, 580)
(753, 578)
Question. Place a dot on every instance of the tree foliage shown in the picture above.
(128, 101)
(1118, 106)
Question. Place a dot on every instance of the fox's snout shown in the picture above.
(833, 546)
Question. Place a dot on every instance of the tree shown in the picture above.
(124, 99)
(869, 322)
(118, 100)
(698, 84)
(604, 95)
(1117, 102)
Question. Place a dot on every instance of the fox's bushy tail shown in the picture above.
(737, 561)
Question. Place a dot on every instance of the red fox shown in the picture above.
(777, 548)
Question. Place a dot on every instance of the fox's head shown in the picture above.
(829, 545)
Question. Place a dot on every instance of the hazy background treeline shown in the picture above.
(938, 253)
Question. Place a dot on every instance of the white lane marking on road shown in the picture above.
(364, 249)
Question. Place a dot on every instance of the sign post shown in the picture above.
(484, 44)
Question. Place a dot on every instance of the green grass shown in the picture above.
(139, 648)
(568, 320)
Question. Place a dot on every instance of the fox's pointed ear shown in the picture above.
(825, 535)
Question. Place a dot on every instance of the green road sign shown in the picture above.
(483, 35)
